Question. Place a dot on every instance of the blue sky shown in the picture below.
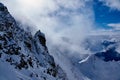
(105, 15)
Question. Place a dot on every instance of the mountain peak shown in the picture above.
(41, 38)
(24, 53)
(3, 8)
(1, 4)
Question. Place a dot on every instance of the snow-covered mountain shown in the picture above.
(22, 55)
(104, 63)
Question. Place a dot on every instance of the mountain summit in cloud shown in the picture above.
(82, 40)
(22, 55)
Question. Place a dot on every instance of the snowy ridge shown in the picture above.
(104, 63)
(23, 56)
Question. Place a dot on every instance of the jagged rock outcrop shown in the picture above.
(26, 55)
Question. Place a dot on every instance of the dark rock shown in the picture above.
(109, 55)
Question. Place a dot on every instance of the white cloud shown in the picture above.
(113, 4)
(71, 4)
(61, 18)
(115, 26)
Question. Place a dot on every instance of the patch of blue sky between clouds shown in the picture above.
(106, 12)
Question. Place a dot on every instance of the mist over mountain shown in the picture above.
(67, 47)
(22, 55)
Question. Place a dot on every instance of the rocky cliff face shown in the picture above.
(23, 56)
